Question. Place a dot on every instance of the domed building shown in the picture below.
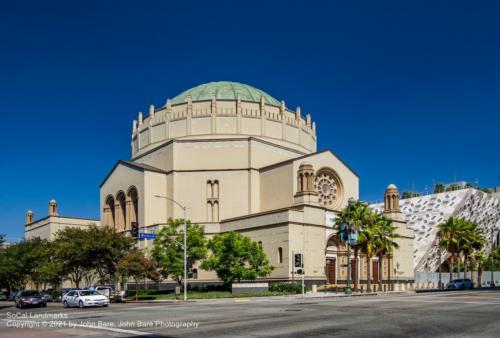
(237, 159)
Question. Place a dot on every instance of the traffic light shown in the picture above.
(135, 229)
(298, 260)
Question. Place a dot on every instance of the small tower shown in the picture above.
(391, 199)
(29, 217)
(402, 257)
(305, 185)
(53, 208)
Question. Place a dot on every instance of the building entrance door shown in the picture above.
(374, 271)
(330, 270)
(353, 270)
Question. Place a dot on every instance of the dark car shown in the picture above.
(3, 297)
(459, 284)
(29, 298)
(48, 297)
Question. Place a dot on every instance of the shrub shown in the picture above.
(286, 287)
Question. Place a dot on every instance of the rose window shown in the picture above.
(327, 188)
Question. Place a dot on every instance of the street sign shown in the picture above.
(143, 235)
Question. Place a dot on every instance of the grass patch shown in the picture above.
(170, 295)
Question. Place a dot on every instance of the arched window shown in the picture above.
(209, 211)
(280, 255)
(109, 211)
(215, 212)
(209, 189)
(121, 217)
(212, 200)
(215, 189)
(132, 206)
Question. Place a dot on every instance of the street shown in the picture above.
(447, 314)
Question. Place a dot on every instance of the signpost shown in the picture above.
(143, 235)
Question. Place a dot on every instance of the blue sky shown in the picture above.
(405, 91)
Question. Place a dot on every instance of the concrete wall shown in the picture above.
(48, 227)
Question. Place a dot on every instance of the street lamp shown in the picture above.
(185, 241)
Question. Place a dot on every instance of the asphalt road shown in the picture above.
(448, 314)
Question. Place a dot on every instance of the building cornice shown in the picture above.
(279, 164)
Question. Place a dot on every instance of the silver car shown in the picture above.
(84, 298)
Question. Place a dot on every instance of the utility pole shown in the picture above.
(440, 284)
(492, 283)
(303, 274)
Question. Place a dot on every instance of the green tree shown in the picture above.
(104, 248)
(478, 262)
(168, 248)
(19, 261)
(472, 241)
(385, 240)
(451, 235)
(236, 257)
(136, 266)
(439, 188)
(409, 194)
(358, 214)
(48, 269)
(376, 233)
(71, 249)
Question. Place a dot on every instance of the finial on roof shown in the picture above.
(152, 111)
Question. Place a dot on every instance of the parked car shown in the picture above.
(48, 297)
(27, 298)
(110, 292)
(83, 298)
(62, 292)
(12, 296)
(3, 297)
(459, 284)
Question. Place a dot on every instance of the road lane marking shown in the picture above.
(242, 300)
(92, 327)
(431, 301)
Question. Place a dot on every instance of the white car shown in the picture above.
(83, 298)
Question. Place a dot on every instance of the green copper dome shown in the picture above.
(225, 90)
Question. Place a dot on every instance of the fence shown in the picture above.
(427, 280)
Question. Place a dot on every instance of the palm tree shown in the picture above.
(451, 234)
(385, 240)
(472, 241)
(478, 261)
(367, 240)
(357, 214)
(376, 237)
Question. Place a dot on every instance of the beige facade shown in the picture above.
(47, 227)
(233, 161)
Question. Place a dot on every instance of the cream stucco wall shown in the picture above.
(224, 118)
(48, 227)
